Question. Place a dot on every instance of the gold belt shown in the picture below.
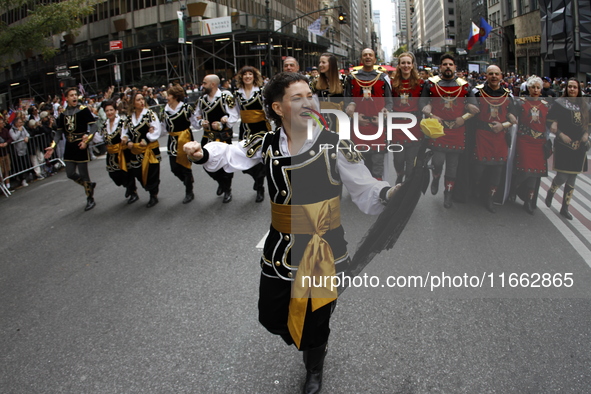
(252, 115)
(149, 157)
(118, 149)
(184, 137)
(317, 260)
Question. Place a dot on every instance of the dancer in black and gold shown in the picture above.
(249, 98)
(112, 132)
(305, 179)
(570, 123)
(217, 111)
(143, 131)
(78, 125)
(177, 119)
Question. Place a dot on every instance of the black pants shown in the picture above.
(223, 178)
(183, 173)
(153, 181)
(274, 298)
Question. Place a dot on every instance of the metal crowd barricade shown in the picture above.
(28, 157)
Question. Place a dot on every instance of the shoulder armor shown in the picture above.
(435, 79)
(82, 107)
(461, 82)
(347, 148)
(544, 102)
(228, 99)
(507, 90)
(479, 86)
(254, 143)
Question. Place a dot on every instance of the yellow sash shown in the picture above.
(184, 137)
(252, 115)
(317, 260)
(331, 105)
(118, 149)
(149, 157)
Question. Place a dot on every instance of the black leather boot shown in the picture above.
(133, 197)
(435, 184)
(550, 194)
(153, 201)
(220, 190)
(260, 194)
(568, 195)
(189, 196)
(314, 361)
(227, 196)
(528, 205)
(489, 203)
(89, 189)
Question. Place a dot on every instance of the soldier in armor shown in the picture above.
(111, 132)
(79, 126)
(443, 98)
(177, 119)
(142, 133)
(305, 178)
(372, 96)
(570, 124)
(491, 151)
(217, 112)
(249, 98)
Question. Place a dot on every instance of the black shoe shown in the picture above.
(127, 193)
(89, 204)
(314, 361)
(564, 212)
(133, 198)
(227, 197)
(447, 199)
(435, 185)
(219, 191)
(549, 197)
(260, 195)
(489, 205)
(529, 207)
(153, 201)
(188, 198)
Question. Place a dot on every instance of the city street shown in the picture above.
(125, 299)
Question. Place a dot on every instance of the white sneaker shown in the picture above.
(24, 183)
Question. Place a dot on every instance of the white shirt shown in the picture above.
(155, 124)
(364, 189)
(194, 121)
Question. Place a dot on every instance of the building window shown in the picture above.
(450, 11)
(451, 23)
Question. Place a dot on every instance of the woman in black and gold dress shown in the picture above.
(143, 131)
(570, 123)
(249, 97)
(112, 131)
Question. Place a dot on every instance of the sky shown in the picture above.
(386, 33)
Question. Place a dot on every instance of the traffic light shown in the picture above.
(342, 18)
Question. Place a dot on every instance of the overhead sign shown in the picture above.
(258, 47)
(115, 45)
(64, 74)
(216, 26)
(61, 67)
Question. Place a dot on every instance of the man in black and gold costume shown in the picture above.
(217, 111)
(78, 125)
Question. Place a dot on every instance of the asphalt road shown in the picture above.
(125, 299)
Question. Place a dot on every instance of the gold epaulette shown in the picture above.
(254, 143)
(435, 79)
(461, 82)
(507, 90)
(479, 86)
(347, 148)
(544, 102)
(82, 107)
(228, 99)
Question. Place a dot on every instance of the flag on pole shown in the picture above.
(474, 34)
(81, 90)
(485, 29)
(315, 27)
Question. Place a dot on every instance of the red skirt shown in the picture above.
(529, 155)
(490, 147)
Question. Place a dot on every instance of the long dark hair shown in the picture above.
(582, 103)
(414, 74)
(275, 90)
(330, 80)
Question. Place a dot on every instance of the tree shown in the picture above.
(401, 49)
(42, 21)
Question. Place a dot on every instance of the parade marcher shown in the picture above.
(328, 87)
(142, 130)
(112, 132)
(249, 98)
(570, 123)
(530, 159)
(78, 125)
(305, 178)
(5, 142)
(407, 87)
(177, 119)
(444, 98)
(291, 65)
(372, 96)
(217, 111)
(496, 115)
